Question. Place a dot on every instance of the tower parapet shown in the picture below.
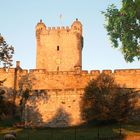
(39, 28)
(77, 26)
(40, 25)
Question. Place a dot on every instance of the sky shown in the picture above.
(18, 19)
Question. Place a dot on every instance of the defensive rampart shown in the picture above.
(130, 78)
(56, 99)
(72, 79)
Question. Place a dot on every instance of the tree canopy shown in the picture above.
(6, 53)
(123, 27)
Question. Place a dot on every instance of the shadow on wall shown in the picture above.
(26, 81)
(35, 119)
(31, 114)
(7, 105)
(61, 119)
(11, 98)
(36, 109)
(25, 84)
(7, 93)
(32, 117)
(104, 100)
(105, 103)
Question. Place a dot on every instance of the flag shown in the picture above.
(60, 16)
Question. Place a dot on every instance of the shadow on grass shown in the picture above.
(84, 132)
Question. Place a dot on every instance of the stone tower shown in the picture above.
(59, 49)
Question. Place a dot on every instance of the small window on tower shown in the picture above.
(57, 48)
(57, 68)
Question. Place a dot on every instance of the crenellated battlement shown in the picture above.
(23, 72)
(130, 78)
(12, 71)
(92, 72)
(127, 71)
(107, 71)
(41, 28)
(56, 30)
(44, 71)
(85, 72)
(71, 79)
(3, 70)
(116, 71)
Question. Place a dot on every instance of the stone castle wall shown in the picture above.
(56, 99)
(64, 93)
(72, 79)
(54, 108)
(9, 76)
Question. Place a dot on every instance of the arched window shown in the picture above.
(57, 48)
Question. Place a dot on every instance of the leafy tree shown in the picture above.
(123, 27)
(104, 100)
(6, 53)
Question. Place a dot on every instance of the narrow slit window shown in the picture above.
(58, 68)
(57, 48)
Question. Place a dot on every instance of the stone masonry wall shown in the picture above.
(72, 79)
(59, 105)
(55, 108)
(9, 76)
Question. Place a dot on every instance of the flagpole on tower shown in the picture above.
(60, 19)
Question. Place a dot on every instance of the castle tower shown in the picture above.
(59, 49)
